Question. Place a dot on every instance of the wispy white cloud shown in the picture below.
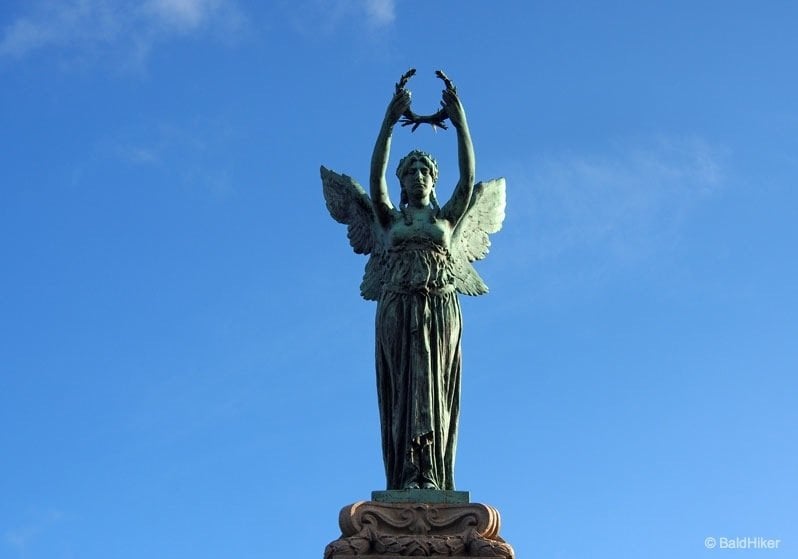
(193, 155)
(326, 16)
(92, 28)
(181, 14)
(21, 537)
(379, 12)
(137, 154)
(578, 221)
(628, 202)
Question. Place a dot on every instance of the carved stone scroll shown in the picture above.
(373, 529)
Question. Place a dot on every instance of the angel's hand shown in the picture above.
(454, 108)
(397, 107)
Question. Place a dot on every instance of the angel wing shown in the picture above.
(470, 240)
(348, 203)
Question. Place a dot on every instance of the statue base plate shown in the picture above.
(420, 496)
(381, 530)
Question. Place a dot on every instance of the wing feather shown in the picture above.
(471, 241)
(348, 203)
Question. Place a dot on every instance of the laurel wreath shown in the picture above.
(409, 117)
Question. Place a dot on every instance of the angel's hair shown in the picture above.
(418, 155)
(429, 161)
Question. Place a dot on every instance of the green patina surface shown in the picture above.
(421, 496)
(421, 256)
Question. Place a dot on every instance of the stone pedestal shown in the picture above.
(379, 529)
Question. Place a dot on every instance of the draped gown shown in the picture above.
(418, 335)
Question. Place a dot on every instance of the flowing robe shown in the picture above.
(418, 335)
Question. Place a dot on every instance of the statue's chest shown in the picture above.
(420, 229)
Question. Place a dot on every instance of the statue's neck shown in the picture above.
(419, 205)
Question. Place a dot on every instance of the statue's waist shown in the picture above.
(423, 289)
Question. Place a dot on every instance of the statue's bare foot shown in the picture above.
(412, 485)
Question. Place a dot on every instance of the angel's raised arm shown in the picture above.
(461, 197)
(382, 147)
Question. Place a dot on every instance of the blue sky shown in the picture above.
(186, 366)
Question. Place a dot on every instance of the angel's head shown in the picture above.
(418, 172)
(417, 156)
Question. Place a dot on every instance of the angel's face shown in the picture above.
(417, 181)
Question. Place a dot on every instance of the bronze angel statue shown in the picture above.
(420, 259)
